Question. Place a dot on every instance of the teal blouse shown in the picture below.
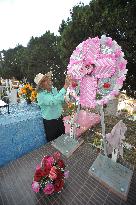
(51, 103)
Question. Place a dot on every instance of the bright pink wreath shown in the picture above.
(99, 66)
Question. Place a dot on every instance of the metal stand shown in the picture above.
(67, 144)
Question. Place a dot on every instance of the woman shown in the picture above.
(50, 102)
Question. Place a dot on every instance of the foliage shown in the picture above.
(44, 57)
(41, 55)
(12, 62)
(124, 110)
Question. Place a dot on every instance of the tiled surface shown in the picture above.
(21, 131)
(80, 188)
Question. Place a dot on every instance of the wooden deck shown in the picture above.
(80, 188)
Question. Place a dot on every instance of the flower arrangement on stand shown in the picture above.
(71, 108)
(28, 93)
(71, 104)
(50, 175)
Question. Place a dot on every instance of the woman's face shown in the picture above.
(47, 84)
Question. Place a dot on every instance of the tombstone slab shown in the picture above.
(113, 175)
(66, 145)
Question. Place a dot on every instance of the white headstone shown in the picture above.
(10, 85)
(13, 96)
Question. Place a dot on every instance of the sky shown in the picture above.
(22, 19)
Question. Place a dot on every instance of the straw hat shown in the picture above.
(40, 77)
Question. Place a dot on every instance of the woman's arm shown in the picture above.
(49, 99)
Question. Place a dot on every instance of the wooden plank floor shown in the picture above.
(80, 188)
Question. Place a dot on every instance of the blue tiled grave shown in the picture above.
(21, 131)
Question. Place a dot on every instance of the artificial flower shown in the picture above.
(61, 164)
(38, 175)
(38, 167)
(56, 156)
(66, 174)
(106, 85)
(35, 186)
(109, 41)
(74, 84)
(47, 161)
(53, 174)
(49, 189)
(58, 185)
(118, 53)
(60, 174)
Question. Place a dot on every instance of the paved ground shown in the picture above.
(80, 188)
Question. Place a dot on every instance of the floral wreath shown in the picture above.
(97, 64)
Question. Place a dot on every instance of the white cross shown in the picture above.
(72, 126)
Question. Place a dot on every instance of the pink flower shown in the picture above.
(89, 61)
(118, 53)
(114, 93)
(47, 160)
(109, 41)
(53, 174)
(122, 65)
(56, 156)
(120, 81)
(38, 167)
(96, 40)
(49, 189)
(35, 186)
(66, 174)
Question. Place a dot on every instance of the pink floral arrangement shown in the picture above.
(50, 175)
(98, 65)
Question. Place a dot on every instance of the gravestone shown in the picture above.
(113, 175)
(13, 96)
(66, 145)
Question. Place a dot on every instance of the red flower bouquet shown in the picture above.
(50, 174)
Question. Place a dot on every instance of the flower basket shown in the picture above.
(50, 175)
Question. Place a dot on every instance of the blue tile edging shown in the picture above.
(20, 133)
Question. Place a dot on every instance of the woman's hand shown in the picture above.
(67, 81)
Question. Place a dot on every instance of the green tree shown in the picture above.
(12, 64)
(40, 55)
(44, 56)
